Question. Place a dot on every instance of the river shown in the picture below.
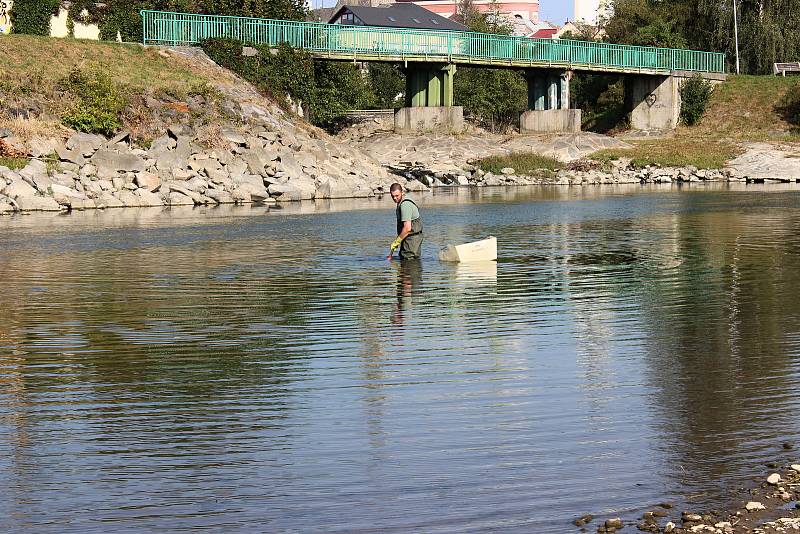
(247, 369)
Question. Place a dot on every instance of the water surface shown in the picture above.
(248, 369)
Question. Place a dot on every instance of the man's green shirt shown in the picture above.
(408, 211)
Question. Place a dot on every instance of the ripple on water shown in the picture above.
(271, 372)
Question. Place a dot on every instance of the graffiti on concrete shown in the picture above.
(5, 16)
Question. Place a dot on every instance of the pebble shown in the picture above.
(752, 506)
(584, 519)
(615, 522)
(773, 479)
(795, 468)
(669, 527)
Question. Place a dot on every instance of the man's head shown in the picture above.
(396, 190)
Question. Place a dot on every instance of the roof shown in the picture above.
(404, 15)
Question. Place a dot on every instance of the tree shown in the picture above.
(387, 82)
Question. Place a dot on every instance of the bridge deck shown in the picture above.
(361, 43)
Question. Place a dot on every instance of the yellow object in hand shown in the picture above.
(395, 244)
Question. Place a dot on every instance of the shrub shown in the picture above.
(32, 17)
(695, 94)
(98, 103)
(789, 106)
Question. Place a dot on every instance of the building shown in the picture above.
(400, 15)
(593, 12)
(511, 9)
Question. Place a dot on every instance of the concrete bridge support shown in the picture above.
(429, 85)
(429, 100)
(654, 102)
(548, 103)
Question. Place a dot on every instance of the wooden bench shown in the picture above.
(784, 68)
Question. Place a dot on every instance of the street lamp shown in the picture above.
(736, 35)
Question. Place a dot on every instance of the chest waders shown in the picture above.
(411, 246)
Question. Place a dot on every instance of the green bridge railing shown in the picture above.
(361, 42)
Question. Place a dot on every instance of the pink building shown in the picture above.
(512, 9)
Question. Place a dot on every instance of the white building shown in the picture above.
(592, 12)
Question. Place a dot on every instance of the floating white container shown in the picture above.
(483, 250)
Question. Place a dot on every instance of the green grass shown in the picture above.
(13, 163)
(134, 66)
(525, 163)
(674, 153)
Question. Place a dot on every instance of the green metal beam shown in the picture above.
(363, 43)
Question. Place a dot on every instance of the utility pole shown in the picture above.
(736, 35)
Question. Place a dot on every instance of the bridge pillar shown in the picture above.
(548, 103)
(429, 101)
(429, 85)
(654, 102)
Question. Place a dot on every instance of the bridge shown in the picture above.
(430, 58)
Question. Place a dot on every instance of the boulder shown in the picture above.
(130, 199)
(107, 200)
(37, 203)
(33, 168)
(65, 195)
(85, 144)
(232, 136)
(334, 188)
(166, 161)
(18, 188)
(74, 156)
(148, 181)
(240, 197)
(220, 196)
(257, 194)
(39, 146)
(162, 144)
(178, 199)
(82, 204)
(110, 162)
(6, 206)
(178, 188)
(148, 198)
(289, 192)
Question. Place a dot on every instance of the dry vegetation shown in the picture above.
(745, 108)
(34, 68)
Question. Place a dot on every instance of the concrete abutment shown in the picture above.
(654, 102)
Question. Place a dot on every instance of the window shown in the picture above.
(393, 19)
(435, 21)
(346, 18)
(417, 21)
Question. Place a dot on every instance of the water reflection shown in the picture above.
(256, 368)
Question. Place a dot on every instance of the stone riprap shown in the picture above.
(252, 165)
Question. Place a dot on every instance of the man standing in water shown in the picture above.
(409, 226)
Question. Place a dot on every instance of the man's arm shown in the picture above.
(401, 236)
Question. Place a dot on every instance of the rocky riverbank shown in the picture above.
(770, 506)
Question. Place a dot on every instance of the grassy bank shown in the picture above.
(35, 73)
(743, 109)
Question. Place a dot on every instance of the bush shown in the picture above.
(789, 106)
(326, 90)
(32, 17)
(98, 103)
(695, 94)
(387, 82)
